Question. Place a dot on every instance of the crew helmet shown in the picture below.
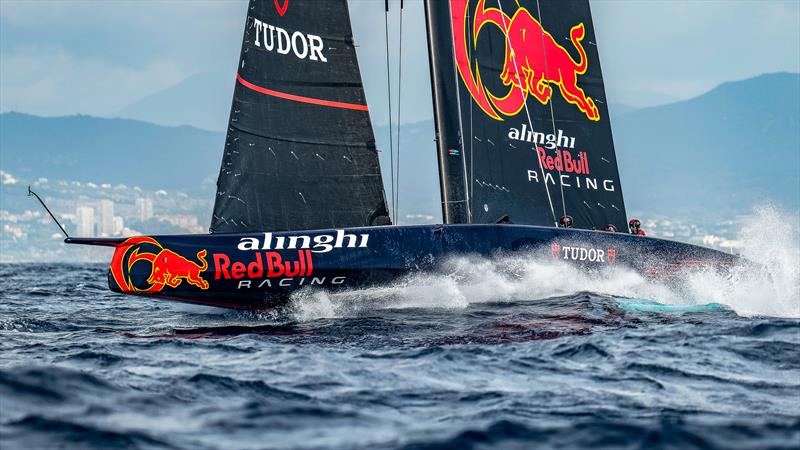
(565, 221)
(634, 224)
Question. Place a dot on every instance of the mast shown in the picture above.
(449, 142)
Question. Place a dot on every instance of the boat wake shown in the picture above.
(463, 281)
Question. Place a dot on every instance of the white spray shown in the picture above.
(769, 240)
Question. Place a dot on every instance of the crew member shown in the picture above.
(611, 228)
(636, 227)
(503, 219)
(565, 221)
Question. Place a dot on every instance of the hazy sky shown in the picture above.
(92, 57)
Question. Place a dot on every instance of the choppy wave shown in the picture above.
(503, 353)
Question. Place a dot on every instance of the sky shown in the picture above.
(92, 57)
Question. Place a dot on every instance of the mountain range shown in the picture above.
(722, 152)
(114, 151)
(203, 100)
(713, 155)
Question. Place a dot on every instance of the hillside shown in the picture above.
(91, 149)
(711, 156)
(202, 100)
(718, 153)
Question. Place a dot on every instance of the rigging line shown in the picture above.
(389, 92)
(552, 115)
(460, 128)
(527, 113)
(471, 129)
(399, 98)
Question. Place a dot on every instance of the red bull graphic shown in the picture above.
(167, 268)
(534, 63)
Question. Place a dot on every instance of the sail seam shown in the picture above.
(358, 144)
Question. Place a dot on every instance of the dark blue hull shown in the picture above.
(262, 270)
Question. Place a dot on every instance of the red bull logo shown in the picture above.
(167, 268)
(534, 63)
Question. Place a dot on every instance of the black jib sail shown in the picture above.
(522, 124)
(300, 152)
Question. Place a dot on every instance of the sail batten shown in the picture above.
(300, 151)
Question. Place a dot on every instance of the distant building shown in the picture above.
(186, 222)
(106, 218)
(84, 221)
(119, 225)
(144, 208)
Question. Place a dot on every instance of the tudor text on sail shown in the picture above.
(275, 38)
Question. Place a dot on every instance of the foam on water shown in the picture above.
(88, 368)
(770, 240)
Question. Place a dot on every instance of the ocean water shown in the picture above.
(489, 354)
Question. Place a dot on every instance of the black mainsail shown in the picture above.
(522, 125)
(300, 152)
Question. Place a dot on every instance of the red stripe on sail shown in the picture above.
(298, 98)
